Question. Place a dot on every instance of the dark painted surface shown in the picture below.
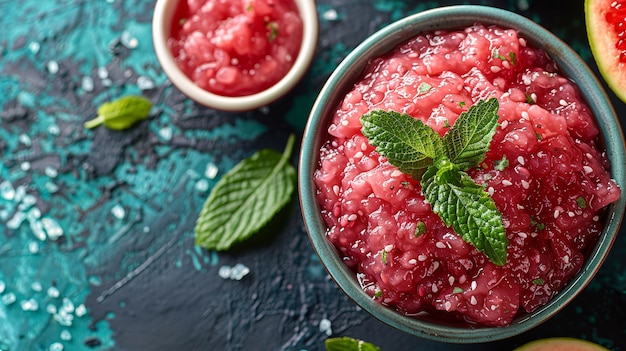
(127, 273)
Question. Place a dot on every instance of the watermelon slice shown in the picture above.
(606, 30)
(561, 344)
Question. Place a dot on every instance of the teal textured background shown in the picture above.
(125, 274)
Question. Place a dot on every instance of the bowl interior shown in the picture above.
(161, 29)
(350, 70)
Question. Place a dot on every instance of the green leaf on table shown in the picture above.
(466, 207)
(349, 344)
(467, 142)
(246, 198)
(122, 113)
(407, 142)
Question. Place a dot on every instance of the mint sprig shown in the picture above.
(468, 141)
(246, 198)
(419, 151)
(346, 343)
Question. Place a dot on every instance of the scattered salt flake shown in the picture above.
(25, 166)
(67, 305)
(15, 221)
(103, 73)
(37, 228)
(7, 191)
(506, 182)
(166, 133)
(25, 139)
(65, 335)
(562, 102)
(396, 173)
(326, 327)
(36, 286)
(80, 311)
(54, 129)
(33, 247)
(57, 346)
(118, 211)
(330, 15)
(52, 228)
(422, 258)
(587, 169)
(51, 187)
(8, 298)
(52, 309)
(145, 83)
(87, 83)
(34, 47)
(53, 292)
(211, 171)
(202, 185)
(525, 184)
(53, 67)
(29, 305)
(128, 40)
(237, 272)
(520, 160)
(473, 300)
(63, 318)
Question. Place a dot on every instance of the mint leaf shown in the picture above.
(467, 142)
(246, 198)
(122, 113)
(466, 207)
(407, 142)
(349, 344)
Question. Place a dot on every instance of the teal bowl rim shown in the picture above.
(350, 69)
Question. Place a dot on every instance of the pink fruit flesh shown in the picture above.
(551, 195)
(236, 48)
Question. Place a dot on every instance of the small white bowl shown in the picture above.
(161, 22)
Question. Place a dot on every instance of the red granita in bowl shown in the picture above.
(546, 170)
(236, 47)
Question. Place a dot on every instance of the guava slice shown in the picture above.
(561, 344)
(606, 30)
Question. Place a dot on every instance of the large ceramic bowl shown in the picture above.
(350, 70)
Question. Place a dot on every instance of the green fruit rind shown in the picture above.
(561, 344)
(602, 40)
